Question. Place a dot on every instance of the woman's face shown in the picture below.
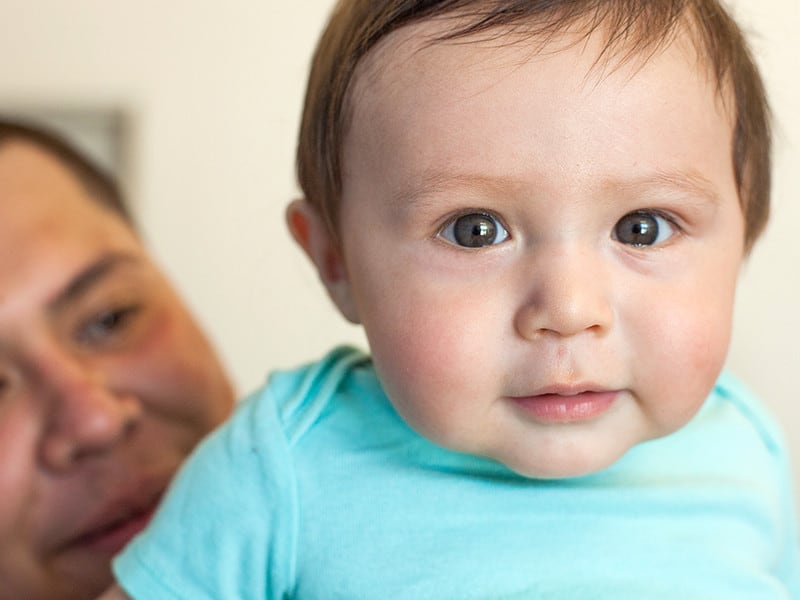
(106, 382)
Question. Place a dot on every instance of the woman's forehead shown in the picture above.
(50, 226)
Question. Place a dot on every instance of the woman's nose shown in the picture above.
(568, 294)
(84, 416)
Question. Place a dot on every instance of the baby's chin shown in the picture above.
(561, 463)
(558, 471)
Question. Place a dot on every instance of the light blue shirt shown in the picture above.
(316, 489)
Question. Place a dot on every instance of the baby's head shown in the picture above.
(632, 29)
(538, 211)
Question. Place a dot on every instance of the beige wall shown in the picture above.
(213, 91)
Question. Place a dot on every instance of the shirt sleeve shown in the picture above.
(787, 546)
(227, 527)
(789, 562)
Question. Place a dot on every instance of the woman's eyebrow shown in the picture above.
(90, 276)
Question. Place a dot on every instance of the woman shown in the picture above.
(106, 380)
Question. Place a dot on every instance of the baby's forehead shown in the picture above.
(419, 45)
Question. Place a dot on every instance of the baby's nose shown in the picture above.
(568, 295)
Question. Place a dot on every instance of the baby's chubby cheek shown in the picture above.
(439, 373)
(689, 353)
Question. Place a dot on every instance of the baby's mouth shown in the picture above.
(568, 406)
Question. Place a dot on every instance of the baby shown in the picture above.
(538, 211)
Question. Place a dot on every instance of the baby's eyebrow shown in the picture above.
(690, 182)
(436, 181)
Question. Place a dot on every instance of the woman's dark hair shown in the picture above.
(101, 185)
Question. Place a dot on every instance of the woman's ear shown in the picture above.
(310, 232)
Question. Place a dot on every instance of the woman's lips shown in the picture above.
(112, 523)
(566, 408)
(112, 537)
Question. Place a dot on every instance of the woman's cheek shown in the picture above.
(17, 468)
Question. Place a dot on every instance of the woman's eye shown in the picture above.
(107, 323)
(474, 230)
(643, 228)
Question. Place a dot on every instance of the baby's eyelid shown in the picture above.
(464, 212)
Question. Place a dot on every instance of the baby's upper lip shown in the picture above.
(123, 504)
(572, 389)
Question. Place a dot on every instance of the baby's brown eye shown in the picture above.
(474, 230)
(642, 228)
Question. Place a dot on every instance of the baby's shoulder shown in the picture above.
(741, 406)
(296, 399)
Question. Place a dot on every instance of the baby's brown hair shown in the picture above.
(637, 27)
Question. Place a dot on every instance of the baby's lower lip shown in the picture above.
(555, 408)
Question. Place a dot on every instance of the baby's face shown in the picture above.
(543, 251)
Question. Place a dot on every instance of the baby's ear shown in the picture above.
(311, 233)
